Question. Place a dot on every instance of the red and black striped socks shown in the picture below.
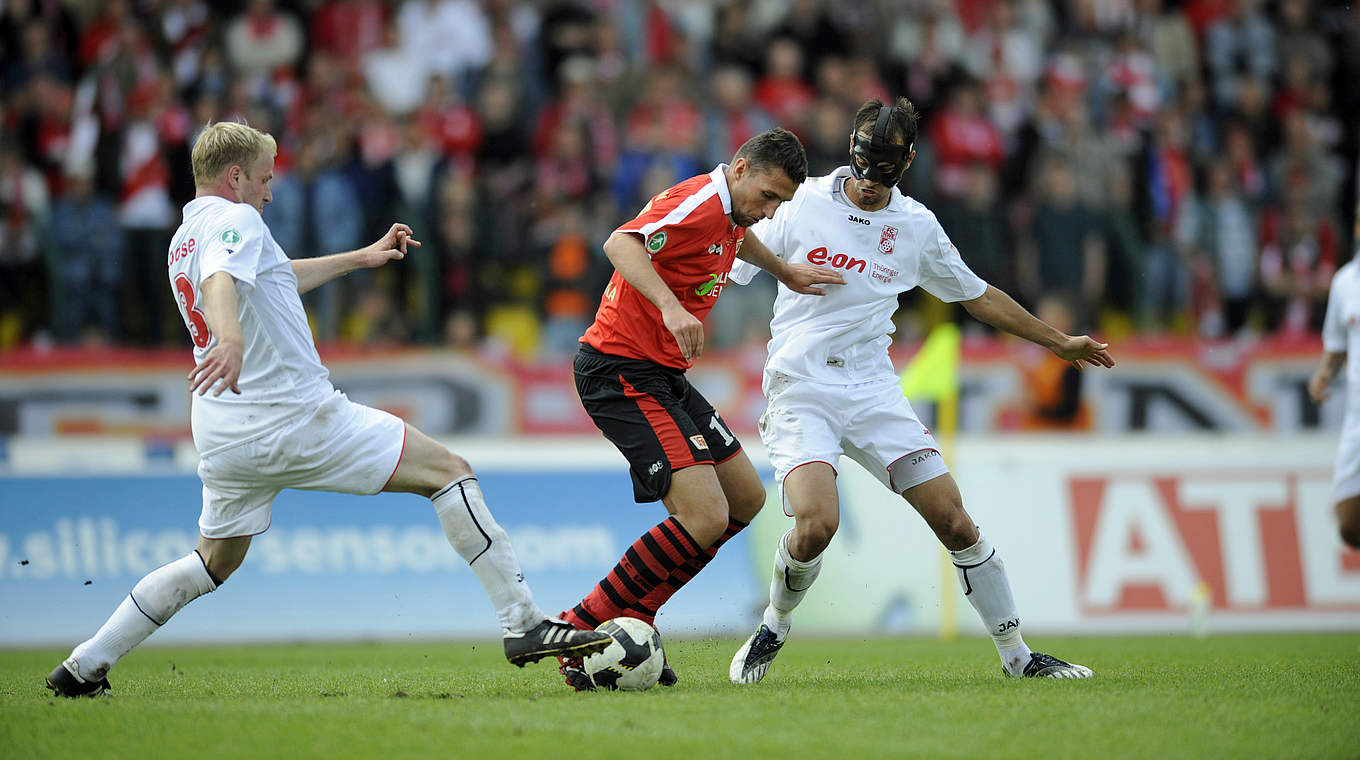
(682, 575)
(661, 561)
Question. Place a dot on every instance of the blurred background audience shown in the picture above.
(1182, 166)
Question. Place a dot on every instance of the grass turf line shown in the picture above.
(1154, 697)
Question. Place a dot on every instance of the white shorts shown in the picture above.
(343, 447)
(872, 423)
(1346, 473)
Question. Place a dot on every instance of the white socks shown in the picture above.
(791, 581)
(483, 543)
(983, 578)
(163, 592)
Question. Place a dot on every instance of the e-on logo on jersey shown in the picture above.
(713, 287)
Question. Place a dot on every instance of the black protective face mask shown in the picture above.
(877, 150)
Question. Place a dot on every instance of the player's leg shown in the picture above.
(640, 408)
(234, 510)
(810, 492)
(1348, 520)
(156, 597)
(741, 487)
(429, 469)
(982, 575)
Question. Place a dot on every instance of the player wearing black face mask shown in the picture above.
(880, 152)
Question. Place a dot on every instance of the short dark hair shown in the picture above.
(776, 148)
(901, 124)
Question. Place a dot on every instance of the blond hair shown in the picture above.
(225, 144)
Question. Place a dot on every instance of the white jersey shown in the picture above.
(1341, 335)
(282, 378)
(843, 336)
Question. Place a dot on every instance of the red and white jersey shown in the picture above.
(281, 373)
(689, 234)
(1341, 334)
(843, 336)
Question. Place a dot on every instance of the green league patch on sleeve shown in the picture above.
(231, 237)
(656, 241)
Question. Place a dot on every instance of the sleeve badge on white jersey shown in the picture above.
(231, 237)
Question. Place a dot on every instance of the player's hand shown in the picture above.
(221, 367)
(1083, 348)
(1318, 386)
(687, 329)
(800, 278)
(391, 246)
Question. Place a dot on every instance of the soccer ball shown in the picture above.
(632, 661)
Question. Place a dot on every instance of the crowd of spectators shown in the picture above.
(1162, 165)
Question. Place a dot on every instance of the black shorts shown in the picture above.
(653, 415)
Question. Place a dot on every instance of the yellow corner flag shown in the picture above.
(933, 374)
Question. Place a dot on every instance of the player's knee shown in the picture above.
(955, 529)
(703, 525)
(451, 467)
(814, 532)
(745, 504)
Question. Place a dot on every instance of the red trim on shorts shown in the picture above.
(834, 471)
(400, 454)
(909, 453)
(673, 441)
(888, 469)
(731, 456)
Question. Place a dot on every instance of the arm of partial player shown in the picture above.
(1002, 312)
(800, 278)
(312, 273)
(1331, 364)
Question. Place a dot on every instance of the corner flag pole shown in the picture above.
(933, 374)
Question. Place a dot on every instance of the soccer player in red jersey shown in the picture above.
(671, 263)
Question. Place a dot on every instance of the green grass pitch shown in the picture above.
(1153, 697)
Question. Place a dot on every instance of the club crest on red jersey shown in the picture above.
(888, 240)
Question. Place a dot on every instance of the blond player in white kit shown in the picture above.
(831, 387)
(1341, 346)
(283, 425)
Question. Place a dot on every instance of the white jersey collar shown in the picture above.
(719, 177)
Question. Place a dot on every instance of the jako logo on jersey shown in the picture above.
(231, 237)
(656, 241)
(820, 256)
(712, 287)
(858, 220)
(699, 442)
(1009, 625)
(654, 469)
(888, 240)
(715, 249)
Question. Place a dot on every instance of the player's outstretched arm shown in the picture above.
(800, 278)
(1002, 312)
(312, 273)
(1318, 384)
(221, 366)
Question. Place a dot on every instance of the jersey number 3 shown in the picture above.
(193, 316)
